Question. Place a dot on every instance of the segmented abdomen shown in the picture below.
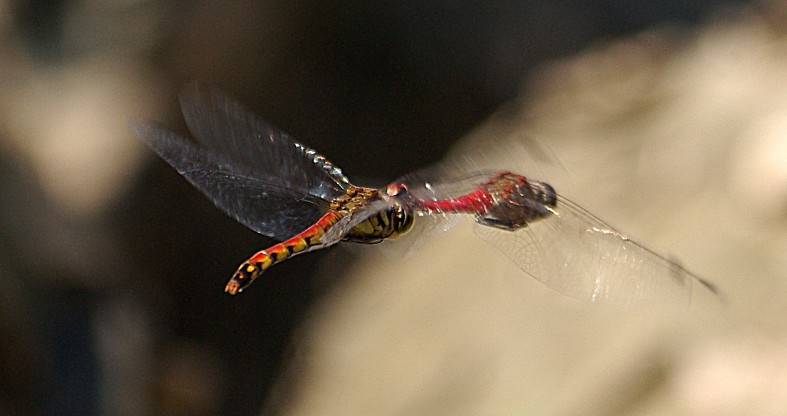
(305, 241)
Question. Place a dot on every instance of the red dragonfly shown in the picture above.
(289, 192)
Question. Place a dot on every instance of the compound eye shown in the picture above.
(403, 221)
(547, 194)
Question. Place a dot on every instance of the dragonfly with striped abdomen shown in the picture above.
(289, 192)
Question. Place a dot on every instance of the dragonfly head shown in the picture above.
(402, 220)
(400, 213)
(545, 194)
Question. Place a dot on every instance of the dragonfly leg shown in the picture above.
(508, 225)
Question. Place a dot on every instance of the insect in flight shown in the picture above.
(289, 192)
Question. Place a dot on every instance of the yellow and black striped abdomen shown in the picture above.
(305, 241)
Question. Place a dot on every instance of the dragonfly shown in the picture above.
(284, 190)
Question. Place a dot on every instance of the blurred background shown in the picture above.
(668, 119)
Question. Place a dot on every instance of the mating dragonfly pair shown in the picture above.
(289, 192)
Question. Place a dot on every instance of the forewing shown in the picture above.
(256, 150)
(579, 255)
(259, 202)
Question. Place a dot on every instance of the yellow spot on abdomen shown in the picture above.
(299, 246)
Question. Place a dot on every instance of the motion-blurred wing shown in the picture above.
(433, 184)
(259, 202)
(255, 149)
(579, 255)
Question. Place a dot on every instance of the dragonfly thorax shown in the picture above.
(517, 201)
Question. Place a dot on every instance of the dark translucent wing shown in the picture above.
(579, 255)
(255, 149)
(259, 202)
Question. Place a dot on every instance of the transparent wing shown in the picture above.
(435, 184)
(255, 149)
(580, 256)
(260, 202)
(424, 227)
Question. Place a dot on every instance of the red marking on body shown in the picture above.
(477, 201)
(319, 227)
(325, 222)
(258, 257)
